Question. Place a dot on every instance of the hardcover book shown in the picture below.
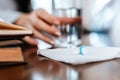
(8, 30)
(11, 55)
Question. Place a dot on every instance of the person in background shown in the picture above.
(20, 12)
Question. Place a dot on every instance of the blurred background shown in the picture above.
(45, 4)
(48, 4)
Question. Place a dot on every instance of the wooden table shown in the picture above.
(41, 68)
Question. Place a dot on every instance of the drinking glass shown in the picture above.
(71, 33)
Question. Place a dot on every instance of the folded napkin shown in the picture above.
(81, 55)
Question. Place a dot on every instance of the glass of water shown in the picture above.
(71, 33)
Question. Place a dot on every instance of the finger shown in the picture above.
(67, 20)
(30, 40)
(40, 25)
(42, 37)
(47, 17)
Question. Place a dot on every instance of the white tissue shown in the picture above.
(72, 56)
(42, 44)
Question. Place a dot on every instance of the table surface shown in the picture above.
(41, 68)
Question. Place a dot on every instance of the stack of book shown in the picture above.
(10, 35)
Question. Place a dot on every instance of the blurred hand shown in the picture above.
(40, 21)
(67, 20)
